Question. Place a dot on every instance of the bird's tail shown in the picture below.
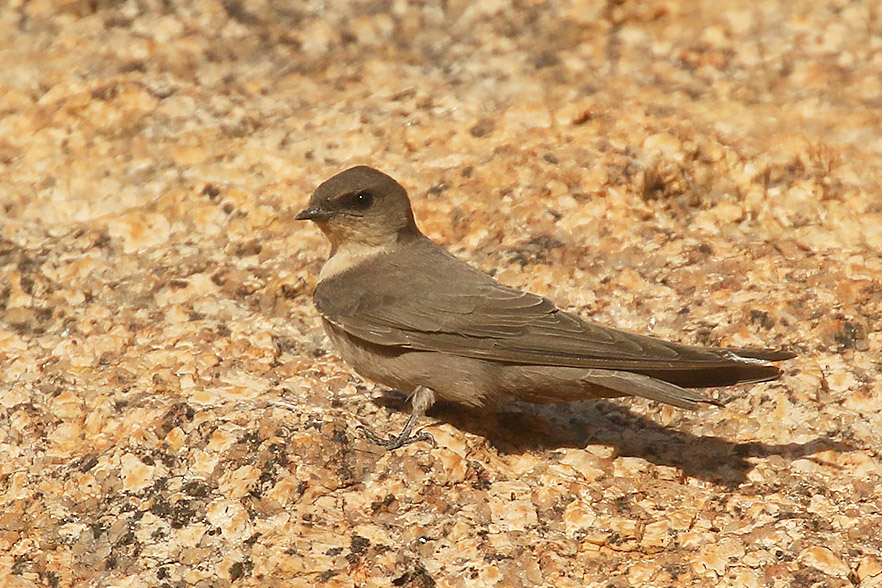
(736, 366)
(633, 384)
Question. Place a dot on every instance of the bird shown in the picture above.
(404, 312)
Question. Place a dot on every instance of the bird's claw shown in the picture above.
(395, 441)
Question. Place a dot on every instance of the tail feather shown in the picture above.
(736, 366)
(726, 375)
(633, 384)
(760, 354)
(669, 384)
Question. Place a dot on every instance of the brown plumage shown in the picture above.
(406, 313)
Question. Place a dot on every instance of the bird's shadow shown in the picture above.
(520, 427)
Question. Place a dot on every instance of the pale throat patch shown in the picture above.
(349, 256)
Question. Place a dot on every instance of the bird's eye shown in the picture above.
(357, 200)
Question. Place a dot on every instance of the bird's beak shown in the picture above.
(313, 213)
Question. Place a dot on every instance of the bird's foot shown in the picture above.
(395, 441)
(421, 399)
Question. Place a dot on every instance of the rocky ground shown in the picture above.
(171, 413)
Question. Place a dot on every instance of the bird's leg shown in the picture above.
(420, 399)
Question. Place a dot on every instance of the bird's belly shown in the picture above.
(374, 362)
(548, 384)
(453, 378)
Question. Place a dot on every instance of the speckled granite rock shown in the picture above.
(170, 414)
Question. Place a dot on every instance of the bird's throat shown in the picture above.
(348, 256)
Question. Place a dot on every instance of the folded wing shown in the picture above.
(423, 298)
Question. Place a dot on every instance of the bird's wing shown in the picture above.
(423, 298)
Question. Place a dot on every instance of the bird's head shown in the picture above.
(361, 206)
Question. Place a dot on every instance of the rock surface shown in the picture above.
(171, 414)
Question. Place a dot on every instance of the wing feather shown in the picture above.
(421, 297)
